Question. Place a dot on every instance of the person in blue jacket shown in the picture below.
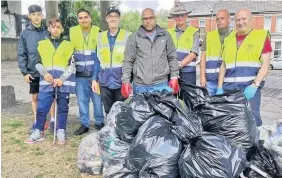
(27, 53)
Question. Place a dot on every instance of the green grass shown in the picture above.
(42, 159)
(15, 124)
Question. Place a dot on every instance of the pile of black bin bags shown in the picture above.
(156, 135)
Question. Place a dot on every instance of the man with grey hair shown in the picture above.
(151, 57)
(186, 41)
(211, 52)
(245, 61)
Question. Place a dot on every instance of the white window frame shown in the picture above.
(232, 23)
(188, 22)
(202, 20)
(277, 49)
(278, 29)
(265, 25)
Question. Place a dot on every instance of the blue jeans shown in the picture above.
(211, 87)
(45, 100)
(147, 88)
(255, 106)
(83, 94)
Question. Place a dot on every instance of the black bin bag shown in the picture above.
(228, 114)
(263, 159)
(192, 95)
(113, 152)
(155, 150)
(134, 112)
(186, 124)
(212, 156)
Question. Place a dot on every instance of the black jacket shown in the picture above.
(27, 48)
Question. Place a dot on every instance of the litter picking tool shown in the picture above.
(55, 122)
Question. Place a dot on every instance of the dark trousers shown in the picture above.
(189, 77)
(110, 96)
(45, 100)
(255, 105)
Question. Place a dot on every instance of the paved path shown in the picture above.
(271, 106)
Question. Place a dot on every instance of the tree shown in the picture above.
(162, 17)
(130, 21)
(68, 10)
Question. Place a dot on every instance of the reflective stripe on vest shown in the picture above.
(184, 45)
(85, 49)
(111, 62)
(213, 55)
(243, 63)
(56, 61)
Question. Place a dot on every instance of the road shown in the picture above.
(271, 103)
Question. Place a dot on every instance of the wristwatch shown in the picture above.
(257, 84)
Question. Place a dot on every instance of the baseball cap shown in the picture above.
(113, 9)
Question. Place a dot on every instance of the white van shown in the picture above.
(276, 63)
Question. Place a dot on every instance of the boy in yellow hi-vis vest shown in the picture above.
(57, 78)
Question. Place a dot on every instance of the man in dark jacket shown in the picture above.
(27, 52)
(151, 56)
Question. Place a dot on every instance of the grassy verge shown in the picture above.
(40, 160)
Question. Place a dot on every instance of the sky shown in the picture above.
(125, 6)
(142, 4)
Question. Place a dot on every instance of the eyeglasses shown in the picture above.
(148, 18)
(113, 17)
(179, 15)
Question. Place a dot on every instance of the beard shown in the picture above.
(149, 29)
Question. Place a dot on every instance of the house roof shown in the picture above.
(203, 8)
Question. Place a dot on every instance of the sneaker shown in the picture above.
(61, 136)
(31, 129)
(52, 126)
(36, 136)
(99, 126)
(83, 129)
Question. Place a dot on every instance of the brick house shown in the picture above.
(266, 15)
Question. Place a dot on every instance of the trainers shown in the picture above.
(83, 129)
(61, 136)
(36, 136)
(52, 126)
(31, 129)
(99, 126)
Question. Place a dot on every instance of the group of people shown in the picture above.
(110, 66)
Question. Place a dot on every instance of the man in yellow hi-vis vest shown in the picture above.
(110, 51)
(57, 78)
(186, 41)
(245, 61)
(211, 52)
(84, 40)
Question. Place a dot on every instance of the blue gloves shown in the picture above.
(250, 91)
(219, 91)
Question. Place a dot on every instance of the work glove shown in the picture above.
(250, 91)
(219, 91)
(173, 83)
(126, 90)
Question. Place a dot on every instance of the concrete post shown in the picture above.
(104, 5)
(51, 10)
